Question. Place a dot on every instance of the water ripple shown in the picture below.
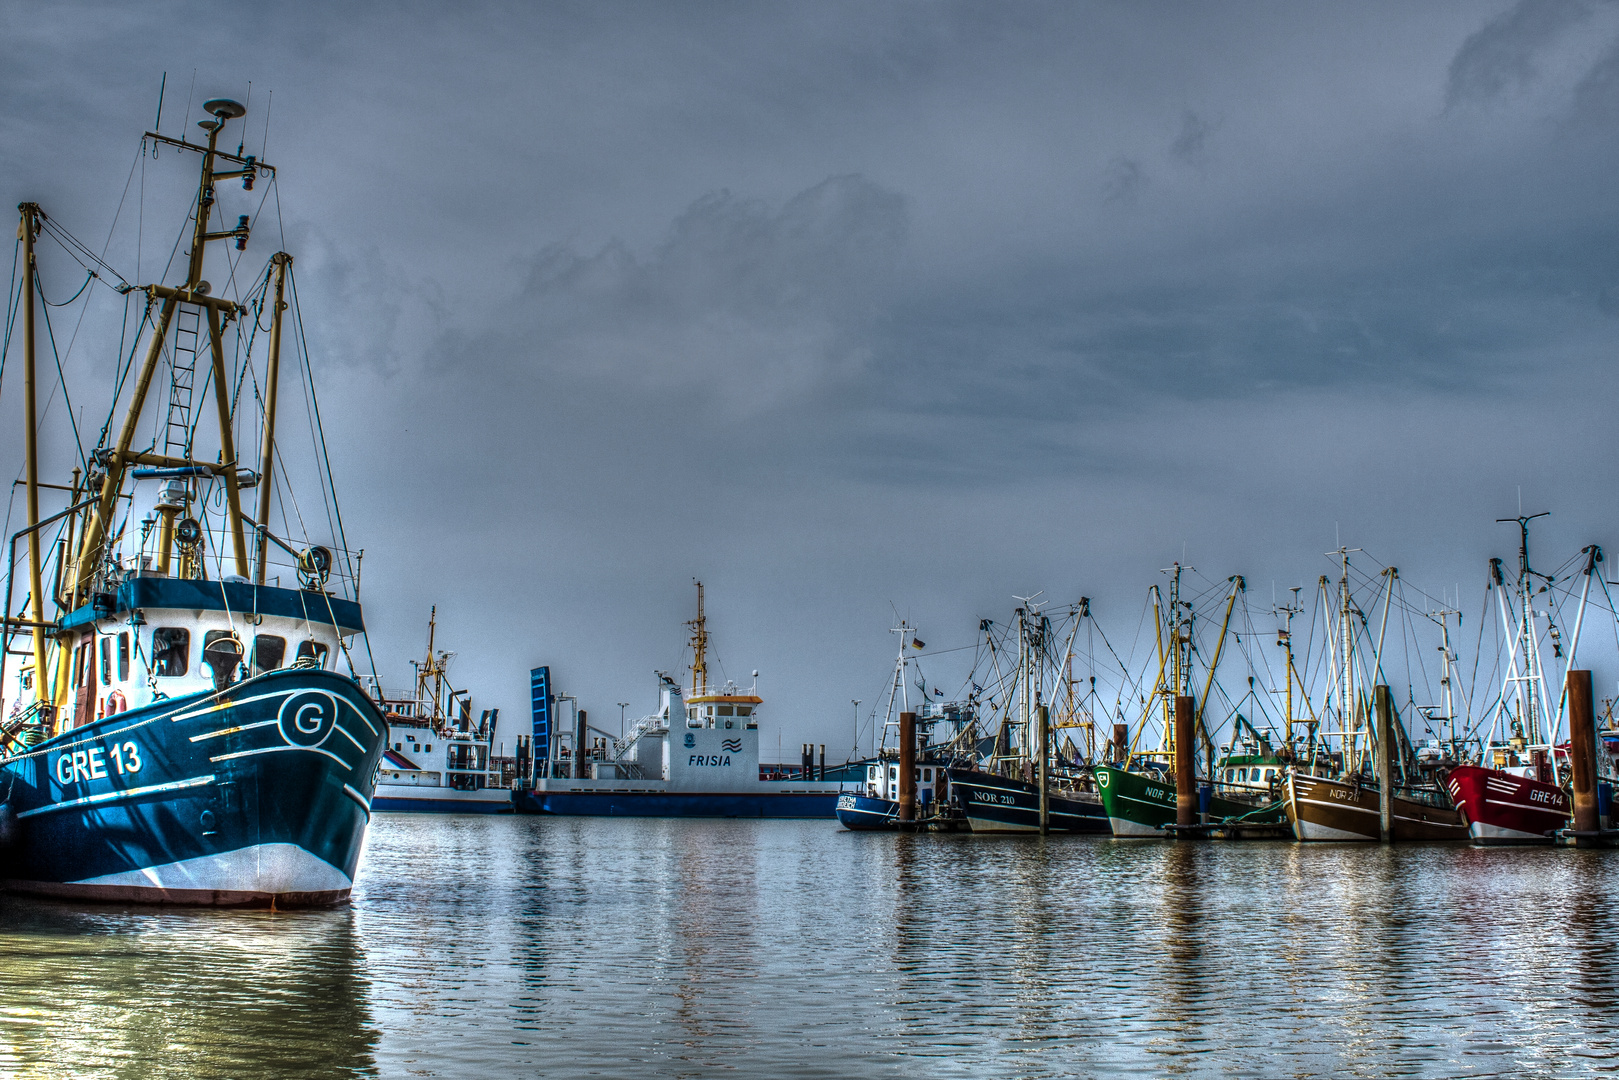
(628, 948)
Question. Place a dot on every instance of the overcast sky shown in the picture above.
(856, 308)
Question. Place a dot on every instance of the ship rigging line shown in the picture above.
(78, 440)
(13, 302)
(79, 252)
(314, 397)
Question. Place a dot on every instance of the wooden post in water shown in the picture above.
(1185, 763)
(907, 766)
(1582, 751)
(1043, 715)
(1385, 762)
(581, 765)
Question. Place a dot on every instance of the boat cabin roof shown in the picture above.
(725, 699)
(236, 597)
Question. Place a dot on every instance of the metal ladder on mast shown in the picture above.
(182, 380)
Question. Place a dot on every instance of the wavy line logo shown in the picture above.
(732, 746)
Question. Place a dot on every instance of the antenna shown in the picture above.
(161, 86)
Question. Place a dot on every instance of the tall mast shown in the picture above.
(116, 460)
(1533, 714)
(28, 229)
(1286, 641)
(699, 647)
(1344, 645)
(1238, 584)
(1593, 555)
(434, 668)
(1448, 681)
(272, 379)
(896, 689)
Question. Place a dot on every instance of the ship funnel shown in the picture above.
(224, 108)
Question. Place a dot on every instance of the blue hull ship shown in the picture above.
(186, 723)
(256, 796)
(1007, 804)
(764, 804)
(866, 812)
(697, 756)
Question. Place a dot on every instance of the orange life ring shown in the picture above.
(116, 703)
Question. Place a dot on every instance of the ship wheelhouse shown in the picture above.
(727, 709)
(157, 638)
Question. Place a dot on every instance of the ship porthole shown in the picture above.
(207, 823)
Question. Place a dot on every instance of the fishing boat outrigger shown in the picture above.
(179, 730)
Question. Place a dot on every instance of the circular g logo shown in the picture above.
(307, 718)
(691, 740)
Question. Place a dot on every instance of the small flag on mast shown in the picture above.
(918, 643)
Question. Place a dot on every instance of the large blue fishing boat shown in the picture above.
(936, 732)
(185, 724)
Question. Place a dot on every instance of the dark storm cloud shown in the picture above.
(838, 305)
(1504, 54)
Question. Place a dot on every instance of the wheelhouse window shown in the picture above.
(123, 656)
(314, 651)
(171, 648)
(726, 710)
(268, 653)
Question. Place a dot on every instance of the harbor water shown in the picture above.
(561, 947)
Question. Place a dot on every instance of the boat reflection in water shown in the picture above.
(244, 994)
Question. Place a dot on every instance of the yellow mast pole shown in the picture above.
(432, 666)
(227, 447)
(272, 378)
(1238, 584)
(95, 528)
(27, 229)
(699, 648)
(1158, 683)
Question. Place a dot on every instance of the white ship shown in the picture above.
(697, 756)
(437, 758)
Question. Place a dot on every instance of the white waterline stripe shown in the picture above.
(357, 797)
(282, 749)
(114, 796)
(1527, 806)
(232, 730)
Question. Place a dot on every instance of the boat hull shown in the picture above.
(258, 796)
(1501, 808)
(766, 804)
(1140, 805)
(410, 799)
(1323, 809)
(1004, 804)
(866, 812)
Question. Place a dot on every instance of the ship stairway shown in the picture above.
(621, 746)
(182, 380)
